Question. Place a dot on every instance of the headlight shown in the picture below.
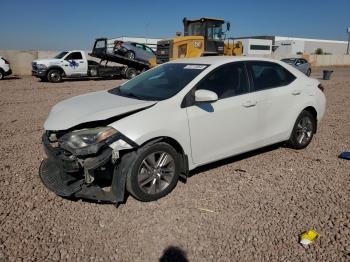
(87, 137)
(41, 66)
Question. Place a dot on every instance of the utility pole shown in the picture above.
(347, 50)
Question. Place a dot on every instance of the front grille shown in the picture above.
(164, 51)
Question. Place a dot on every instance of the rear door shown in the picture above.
(276, 95)
(228, 126)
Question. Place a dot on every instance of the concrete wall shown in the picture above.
(21, 61)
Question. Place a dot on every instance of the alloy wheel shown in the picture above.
(156, 172)
(304, 130)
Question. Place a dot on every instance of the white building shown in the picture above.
(288, 46)
(253, 46)
(150, 42)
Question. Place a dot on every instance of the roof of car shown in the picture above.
(216, 60)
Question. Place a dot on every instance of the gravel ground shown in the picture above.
(251, 207)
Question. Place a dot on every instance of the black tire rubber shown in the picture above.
(2, 74)
(308, 73)
(130, 73)
(131, 180)
(130, 54)
(293, 142)
(53, 80)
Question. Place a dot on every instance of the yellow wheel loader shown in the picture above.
(202, 37)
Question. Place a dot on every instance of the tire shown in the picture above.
(147, 182)
(303, 130)
(54, 76)
(130, 54)
(1, 74)
(308, 73)
(130, 73)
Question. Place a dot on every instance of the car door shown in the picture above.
(225, 127)
(74, 64)
(275, 93)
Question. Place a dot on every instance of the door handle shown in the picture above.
(296, 92)
(81, 62)
(250, 103)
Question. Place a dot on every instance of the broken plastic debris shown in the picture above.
(206, 210)
(345, 155)
(309, 237)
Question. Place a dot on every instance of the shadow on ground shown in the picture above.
(172, 254)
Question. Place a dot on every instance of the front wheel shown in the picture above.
(1, 74)
(154, 172)
(54, 76)
(303, 130)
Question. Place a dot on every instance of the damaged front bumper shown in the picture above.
(72, 176)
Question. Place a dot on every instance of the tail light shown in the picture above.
(321, 87)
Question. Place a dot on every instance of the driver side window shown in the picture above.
(74, 56)
(226, 81)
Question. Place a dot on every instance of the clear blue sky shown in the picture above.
(64, 24)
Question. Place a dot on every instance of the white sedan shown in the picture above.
(142, 136)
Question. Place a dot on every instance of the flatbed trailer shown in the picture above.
(130, 68)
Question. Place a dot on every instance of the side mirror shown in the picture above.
(203, 95)
(228, 26)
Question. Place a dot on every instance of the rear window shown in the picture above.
(269, 75)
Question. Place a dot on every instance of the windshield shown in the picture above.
(289, 60)
(160, 83)
(61, 55)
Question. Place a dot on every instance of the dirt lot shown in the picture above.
(251, 207)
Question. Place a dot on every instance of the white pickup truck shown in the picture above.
(71, 64)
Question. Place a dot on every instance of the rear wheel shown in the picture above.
(303, 131)
(54, 76)
(130, 55)
(130, 73)
(1, 74)
(308, 73)
(154, 172)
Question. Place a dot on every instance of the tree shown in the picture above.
(319, 51)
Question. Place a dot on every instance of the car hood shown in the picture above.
(47, 61)
(91, 107)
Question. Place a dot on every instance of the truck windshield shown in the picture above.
(161, 82)
(61, 55)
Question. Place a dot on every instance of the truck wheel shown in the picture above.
(130, 73)
(153, 172)
(1, 74)
(130, 55)
(54, 76)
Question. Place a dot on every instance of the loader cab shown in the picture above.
(211, 29)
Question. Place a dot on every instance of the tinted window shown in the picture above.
(226, 81)
(268, 75)
(259, 47)
(74, 56)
